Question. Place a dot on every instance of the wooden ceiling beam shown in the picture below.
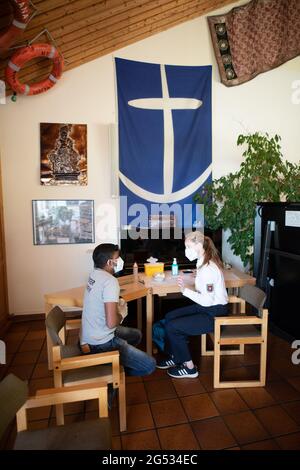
(58, 20)
(146, 26)
(86, 29)
(108, 28)
(129, 16)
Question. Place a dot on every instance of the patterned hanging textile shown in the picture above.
(254, 38)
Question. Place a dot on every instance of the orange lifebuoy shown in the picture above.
(28, 53)
(18, 24)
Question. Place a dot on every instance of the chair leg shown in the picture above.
(217, 364)
(60, 417)
(263, 363)
(217, 355)
(242, 307)
(103, 405)
(59, 409)
(139, 314)
(204, 351)
(122, 403)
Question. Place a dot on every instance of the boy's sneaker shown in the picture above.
(183, 372)
(166, 364)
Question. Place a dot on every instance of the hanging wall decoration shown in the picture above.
(254, 38)
(57, 222)
(63, 154)
(165, 143)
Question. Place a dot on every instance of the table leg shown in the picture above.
(236, 306)
(241, 307)
(50, 344)
(149, 321)
(139, 314)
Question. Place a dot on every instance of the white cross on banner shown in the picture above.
(164, 116)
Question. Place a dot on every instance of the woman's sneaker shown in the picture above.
(183, 372)
(166, 364)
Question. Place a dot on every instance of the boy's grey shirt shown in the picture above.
(102, 287)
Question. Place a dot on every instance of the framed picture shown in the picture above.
(63, 154)
(65, 221)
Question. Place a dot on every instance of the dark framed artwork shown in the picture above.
(63, 154)
(57, 221)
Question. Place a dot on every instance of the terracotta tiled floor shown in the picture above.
(179, 414)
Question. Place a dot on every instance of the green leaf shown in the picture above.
(263, 176)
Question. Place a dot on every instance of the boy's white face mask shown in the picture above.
(119, 266)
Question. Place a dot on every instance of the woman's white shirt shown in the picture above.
(209, 285)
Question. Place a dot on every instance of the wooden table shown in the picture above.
(135, 288)
(233, 279)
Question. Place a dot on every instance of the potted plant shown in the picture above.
(263, 176)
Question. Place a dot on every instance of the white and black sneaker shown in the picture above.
(166, 364)
(182, 372)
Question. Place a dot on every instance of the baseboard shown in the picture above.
(27, 317)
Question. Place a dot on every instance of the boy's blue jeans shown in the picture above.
(134, 361)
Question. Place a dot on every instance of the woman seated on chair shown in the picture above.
(210, 299)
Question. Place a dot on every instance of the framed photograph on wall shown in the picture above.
(63, 154)
(64, 221)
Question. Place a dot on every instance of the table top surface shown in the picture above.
(134, 287)
(232, 277)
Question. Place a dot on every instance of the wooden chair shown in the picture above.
(85, 435)
(240, 350)
(241, 330)
(71, 367)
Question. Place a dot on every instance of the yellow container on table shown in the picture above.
(153, 268)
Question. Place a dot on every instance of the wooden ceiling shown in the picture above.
(84, 30)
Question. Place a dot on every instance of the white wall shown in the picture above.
(87, 95)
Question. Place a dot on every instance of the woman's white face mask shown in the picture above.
(191, 254)
(119, 266)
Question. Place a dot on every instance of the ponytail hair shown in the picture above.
(210, 251)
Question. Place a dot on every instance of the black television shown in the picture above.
(163, 244)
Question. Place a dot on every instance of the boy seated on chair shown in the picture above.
(103, 313)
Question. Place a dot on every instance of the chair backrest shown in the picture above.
(55, 321)
(13, 395)
(254, 296)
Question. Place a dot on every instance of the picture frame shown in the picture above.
(63, 154)
(63, 221)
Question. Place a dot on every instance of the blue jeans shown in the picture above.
(134, 361)
(188, 321)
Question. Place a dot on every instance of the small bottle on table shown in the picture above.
(174, 267)
(135, 269)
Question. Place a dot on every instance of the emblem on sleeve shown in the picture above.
(209, 287)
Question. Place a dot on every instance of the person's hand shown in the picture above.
(180, 282)
(122, 308)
